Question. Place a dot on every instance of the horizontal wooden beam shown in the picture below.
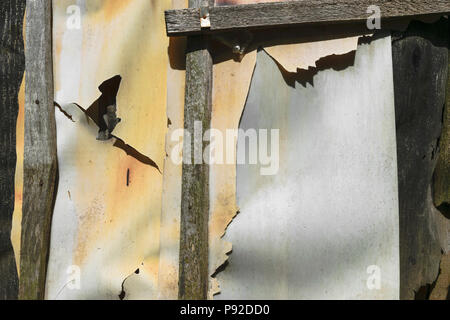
(280, 14)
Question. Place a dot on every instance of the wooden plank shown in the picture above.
(12, 65)
(292, 13)
(193, 272)
(40, 160)
(420, 62)
(441, 181)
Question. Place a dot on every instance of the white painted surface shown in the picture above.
(312, 230)
(108, 211)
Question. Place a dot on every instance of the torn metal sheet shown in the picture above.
(328, 221)
(171, 193)
(298, 56)
(231, 83)
(107, 217)
(117, 218)
(228, 103)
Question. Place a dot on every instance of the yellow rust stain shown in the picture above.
(228, 103)
(118, 224)
(17, 214)
(112, 8)
(171, 198)
(16, 228)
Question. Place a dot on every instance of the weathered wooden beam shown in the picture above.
(40, 161)
(292, 13)
(12, 65)
(193, 272)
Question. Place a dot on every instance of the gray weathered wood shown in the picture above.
(441, 186)
(40, 161)
(193, 272)
(280, 14)
(12, 65)
(420, 61)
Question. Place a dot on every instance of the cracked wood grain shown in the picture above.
(193, 271)
(281, 14)
(40, 160)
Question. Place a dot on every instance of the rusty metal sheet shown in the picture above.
(326, 225)
(171, 193)
(106, 229)
(231, 83)
(298, 55)
(230, 90)
(116, 218)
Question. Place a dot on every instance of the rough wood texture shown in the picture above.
(279, 14)
(441, 290)
(12, 65)
(442, 173)
(420, 60)
(193, 277)
(40, 162)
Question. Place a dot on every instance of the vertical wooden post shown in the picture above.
(420, 52)
(40, 159)
(193, 273)
(441, 186)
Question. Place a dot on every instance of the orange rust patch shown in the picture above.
(112, 8)
(91, 216)
(17, 214)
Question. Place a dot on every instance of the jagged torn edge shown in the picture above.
(119, 143)
(214, 285)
